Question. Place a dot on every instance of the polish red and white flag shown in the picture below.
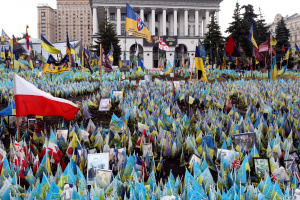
(32, 101)
(162, 45)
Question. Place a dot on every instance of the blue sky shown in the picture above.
(16, 14)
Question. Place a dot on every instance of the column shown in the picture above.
(118, 20)
(217, 16)
(95, 24)
(107, 13)
(153, 21)
(186, 22)
(95, 21)
(196, 22)
(206, 22)
(142, 14)
(175, 22)
(164, 23)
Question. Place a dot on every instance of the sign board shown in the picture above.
(148, 78)
(133, 82)
(171, 41)
(104, 104)
(246, 140)
(176, 84)
(96, 162)
(172, 75)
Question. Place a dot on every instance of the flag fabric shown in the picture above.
(27, 38)
(273, 72)
(135, 57)
(2, 54)
(68, 48)
(32, 101)
(54, 66)
(251, 38)
(229, 48)
(263, 47)
(135, 25)
(199, 65)
(283, 49)
(5, 37)
(140, 64)
(162, 45)
(296, 49)
(287, 54)
(48, 46)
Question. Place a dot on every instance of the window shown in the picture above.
(156, 18)
(296, 24)
(291, 26)
(123, 16)
(43, 14)
(145, 17)
(112, 16)
(167, 18)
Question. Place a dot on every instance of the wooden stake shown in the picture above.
(18, 129)
(100, 64)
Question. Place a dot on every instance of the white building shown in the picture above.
(293, 24)
(180, 23)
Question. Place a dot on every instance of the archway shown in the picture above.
(133, 49)
(179, 49)
(157, 53)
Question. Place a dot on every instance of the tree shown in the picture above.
(248, 19)
(213, 39)
(107, 36)
(236, 27)
(261, 30)
(282, 37)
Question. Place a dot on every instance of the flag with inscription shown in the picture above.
(135, 25)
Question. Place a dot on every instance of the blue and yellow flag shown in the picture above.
(135, 25)
(199, 65)
(48, 46)
(2, 54)
(287, 54)
(251, 38)
(296, 49)
(273, 72)
(53, 66)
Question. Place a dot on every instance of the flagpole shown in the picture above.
(101, 62)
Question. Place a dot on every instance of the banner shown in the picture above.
(171, 41)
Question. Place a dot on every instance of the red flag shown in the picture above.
(251, 66)
(283, 49)
(265, 46)
(258, 55)
(32, 101)
(273, 177)
(229, 46)
(236, 164)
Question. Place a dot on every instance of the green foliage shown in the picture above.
(261, 30)
(248, 19)
(282, 37)
(107, 36)
(214, 39)
(241, 24)
(236, 27)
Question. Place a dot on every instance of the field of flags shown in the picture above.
(43, 165)
(225, 135)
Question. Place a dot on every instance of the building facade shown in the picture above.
(180, 23)
(293, 24)
(72, 16)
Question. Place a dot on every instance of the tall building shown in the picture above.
(293, 24)
(180, 23)
(72, 16)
